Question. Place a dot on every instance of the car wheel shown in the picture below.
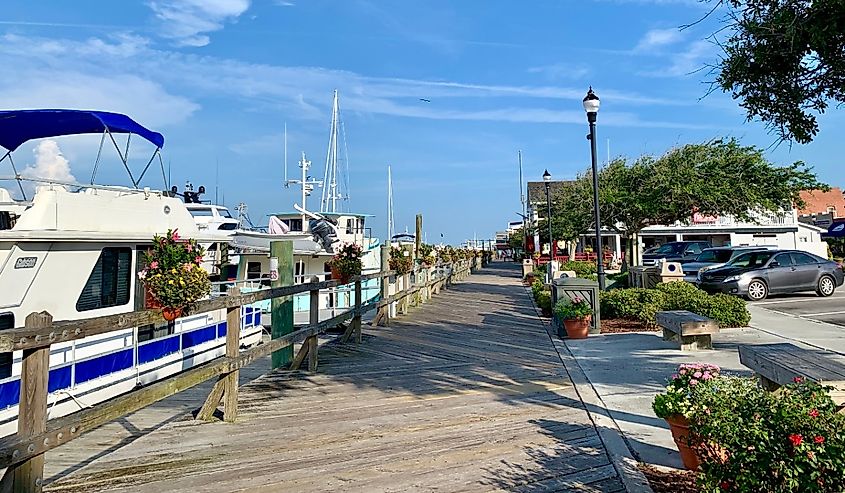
(757, 290)
(826, 286)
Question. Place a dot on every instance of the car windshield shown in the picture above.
(751, 259)
(714, 256)
(669, 248)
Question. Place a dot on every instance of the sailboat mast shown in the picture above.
(304, 165)
(390, 225)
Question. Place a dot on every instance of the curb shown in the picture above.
(609, 432)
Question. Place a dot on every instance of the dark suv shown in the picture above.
(675, 251)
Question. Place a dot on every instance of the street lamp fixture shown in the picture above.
(547, 179)
(591, 106)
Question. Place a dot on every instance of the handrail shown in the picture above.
(31, 442)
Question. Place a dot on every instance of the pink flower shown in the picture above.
(198, 259)
(706, 376)
(142, 274)
(697, 374)
(176, 236)
(674, 376)
(683, 371)
(798, 379)
(796, 439)
(819, 439)
(154, 265)
(814, 413)
(188, 247)
(693, 381)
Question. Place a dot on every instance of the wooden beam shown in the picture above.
(312, 344)
(300, 356)
(32, 411)
(206, 412)
(233, 342)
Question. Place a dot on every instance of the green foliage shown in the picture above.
(427, 254)
(784, 61)
(400, 260)
(642, 304)
(580, 267)
(753, 440)
(544, 302)
(173, 274)
(573, 309)
(678, 397)
(617, 281)
(347, 261)
(516, 240)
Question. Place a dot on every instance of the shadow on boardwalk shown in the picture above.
(466, 393)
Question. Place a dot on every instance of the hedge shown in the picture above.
(642, 304)
(542, 296)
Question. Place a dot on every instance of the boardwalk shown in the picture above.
(466, 393)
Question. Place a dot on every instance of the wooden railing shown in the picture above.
(23, 453)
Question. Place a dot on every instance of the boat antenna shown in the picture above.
(216, 180)
(390, 223)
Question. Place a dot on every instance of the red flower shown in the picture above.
(798, 379)
(814, 413)
(796, 439)
(819, 439)
(724, 485)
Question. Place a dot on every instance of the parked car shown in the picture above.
(758, 274)
(675, 251)
(710, 258)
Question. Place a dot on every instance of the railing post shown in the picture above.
(406, 286)
(32, 411)
(281, 308)
(313, 319)
(383, 313)
(233, 342)
(356, 320)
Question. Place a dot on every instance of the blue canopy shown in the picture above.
(19, 126)
(836, 230)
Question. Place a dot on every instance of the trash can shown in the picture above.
(568, 288)
(527, 267)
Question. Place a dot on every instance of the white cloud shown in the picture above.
(189, 21)
(658, 38)
(690, 61)
(50, 163)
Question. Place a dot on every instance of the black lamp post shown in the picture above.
(591, 106)
(547, 179)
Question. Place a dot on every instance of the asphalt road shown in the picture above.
(809, 306)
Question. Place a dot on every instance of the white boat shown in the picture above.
(75, 251)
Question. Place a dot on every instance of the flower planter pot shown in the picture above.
(171, 313)
(336, 274)
(149, 300)
(577, 328)
(679, 426)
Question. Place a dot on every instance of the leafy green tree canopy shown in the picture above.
(785, 61)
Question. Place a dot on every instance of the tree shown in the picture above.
(572, 207)
(785, 61)
(516, 240)
(719, 177)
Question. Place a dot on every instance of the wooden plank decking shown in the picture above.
(465, 393)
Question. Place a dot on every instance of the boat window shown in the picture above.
(204, 211)
(224, 213)
(109, 282)
(253, 270)
(227, 227)
(299, 272)
(154, 331)
(7, 321)
(293, 224)
(6, 220)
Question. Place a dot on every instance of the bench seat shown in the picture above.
(690, 330)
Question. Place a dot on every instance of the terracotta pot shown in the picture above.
(577, 328)
(340, 277)
(149, 300)
(680, 433)
(171, 313)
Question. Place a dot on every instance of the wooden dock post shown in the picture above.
(282, 307)
(28, 476)
(383, 314)
(418, 237)
(356, 321)
(310, 344)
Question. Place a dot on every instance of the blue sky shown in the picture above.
(220, 78)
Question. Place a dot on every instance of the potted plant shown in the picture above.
(576, 315)
(427, 257)
(400, 260)
(675, 405)
(346, 262)
(173, 278)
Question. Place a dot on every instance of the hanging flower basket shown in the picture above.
(347, 262)
(173, 278)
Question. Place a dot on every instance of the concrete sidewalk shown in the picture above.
(627, 370)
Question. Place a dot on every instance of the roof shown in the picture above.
(537, 189)
(299, 214)
(19, 126)
(820, 202)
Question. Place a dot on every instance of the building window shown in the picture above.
(108, 284)
(831, 210)
(7, 321)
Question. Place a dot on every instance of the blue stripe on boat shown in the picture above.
(221, 329)
(198, 336)
(59, 379)
(103, 365)
(154, 350)
(10, 393)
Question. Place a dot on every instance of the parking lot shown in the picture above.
(809, 306)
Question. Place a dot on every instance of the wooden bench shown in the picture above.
(779, 364)
(692, 331)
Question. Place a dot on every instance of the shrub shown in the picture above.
(633, 304)
(677, 400)
(173, 274)
(576, 308)
(682, 296)
(544, 302)
(537, 287)
(617, 281)
(753, 440)
(729, 311)
(400, 260)
(581, 268)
